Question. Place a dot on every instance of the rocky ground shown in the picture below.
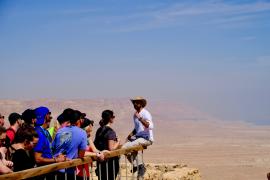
(161, 172)
(171, 172)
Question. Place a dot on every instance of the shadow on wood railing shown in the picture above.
(29, 173)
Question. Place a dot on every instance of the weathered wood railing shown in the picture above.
(29, 173)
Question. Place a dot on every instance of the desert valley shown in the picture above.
(220, 150)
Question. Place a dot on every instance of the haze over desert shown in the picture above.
(220, 150)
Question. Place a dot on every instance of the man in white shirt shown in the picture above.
(142, 133)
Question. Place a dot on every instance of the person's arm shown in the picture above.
(92, 146)
(113, 145)
(144, 121)
(133, 132)
(3, 151)
(41, 160)
(112, 141)
(4, 169)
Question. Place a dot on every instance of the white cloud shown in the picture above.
(207, 12)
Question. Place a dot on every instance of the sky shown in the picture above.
(213, 54)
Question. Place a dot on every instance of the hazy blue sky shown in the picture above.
(214, 55)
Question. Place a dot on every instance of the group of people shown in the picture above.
(30, 141)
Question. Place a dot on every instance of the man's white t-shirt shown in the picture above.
(141, 130)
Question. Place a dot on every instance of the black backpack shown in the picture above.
(100, 140)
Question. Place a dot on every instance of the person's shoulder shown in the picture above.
(107, 129)
(20, 151)
(10, 130)
(63, 129)
(39, 132)
(78, 130)
(38, 129)
(111, 131)
(99, 129)
(145, 111)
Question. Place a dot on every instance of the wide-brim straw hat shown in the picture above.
(139, 99)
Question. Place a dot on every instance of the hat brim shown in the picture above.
(143, 101)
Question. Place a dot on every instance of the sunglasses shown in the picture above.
(2, 117)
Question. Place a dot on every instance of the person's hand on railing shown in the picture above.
(100, 155)
(7, 163)
(130, 138)
(61, 158)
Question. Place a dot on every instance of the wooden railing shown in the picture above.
(67, 164)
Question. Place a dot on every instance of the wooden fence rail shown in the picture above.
(67, 164)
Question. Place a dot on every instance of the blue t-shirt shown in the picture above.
(69, 140)
(43, 146)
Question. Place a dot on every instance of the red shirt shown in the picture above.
(11, 134)
(84, 166)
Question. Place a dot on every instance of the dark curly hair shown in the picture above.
(25, 133)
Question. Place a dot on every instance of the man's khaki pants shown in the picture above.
(137, 157)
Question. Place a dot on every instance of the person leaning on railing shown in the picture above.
(5, 166)
(70, 140)
(42, 151)
(87, 125)
(106, 139)
(25, 140)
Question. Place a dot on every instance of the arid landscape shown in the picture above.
(220, 150)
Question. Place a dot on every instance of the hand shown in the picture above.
(60, 158)
(130, 138)
(101, 156)
(8, 163)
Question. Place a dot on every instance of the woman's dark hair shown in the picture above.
(106, 116)
(25, 133)
(28, 115)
